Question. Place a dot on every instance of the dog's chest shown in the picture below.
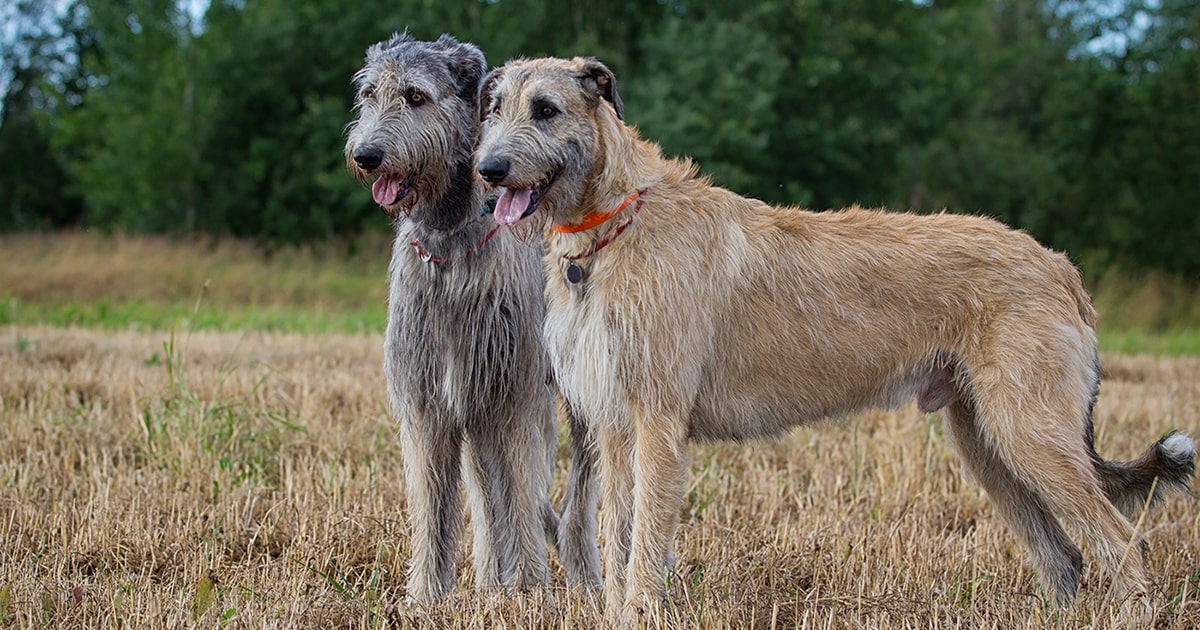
(457, 334)
(585, 350)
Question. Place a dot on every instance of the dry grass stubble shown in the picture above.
(254, 480)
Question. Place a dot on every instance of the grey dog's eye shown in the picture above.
(368, 91)
(414, 98)
(544, 111)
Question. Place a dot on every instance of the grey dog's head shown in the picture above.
(417, 105)
(542, 129)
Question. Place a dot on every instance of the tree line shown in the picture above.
(1076, 120)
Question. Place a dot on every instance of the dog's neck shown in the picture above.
(457, 206)
(620, 167)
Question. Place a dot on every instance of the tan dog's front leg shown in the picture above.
(660, 458)
(616, 512)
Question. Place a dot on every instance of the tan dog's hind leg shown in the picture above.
(1055, 558)
(1031, 407)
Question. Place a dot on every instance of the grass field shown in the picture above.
(222, 457)
(158, 283)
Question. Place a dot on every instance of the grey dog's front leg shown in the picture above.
(431, 474)
(490, 555)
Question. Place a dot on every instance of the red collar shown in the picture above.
(600, 244)
(428, 257)
(596, 218)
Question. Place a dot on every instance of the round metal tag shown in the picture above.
(574, 273)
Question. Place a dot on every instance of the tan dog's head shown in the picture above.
(542, 133)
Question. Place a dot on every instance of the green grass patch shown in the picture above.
(155, 315)
(140, 314)
(1178, 342)
(127, 282)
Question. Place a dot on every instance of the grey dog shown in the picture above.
(466, 370)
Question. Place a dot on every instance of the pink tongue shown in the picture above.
(385, 190)
(511, 206)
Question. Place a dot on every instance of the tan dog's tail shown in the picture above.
(1167, 465)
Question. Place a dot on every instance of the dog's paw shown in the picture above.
(643, 610)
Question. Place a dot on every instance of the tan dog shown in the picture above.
(678, 310)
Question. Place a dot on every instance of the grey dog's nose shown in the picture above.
(368, 158)
(494, 169)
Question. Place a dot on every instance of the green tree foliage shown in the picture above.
(130, 144)
(1159, 146)
(728, 127)
(1073, 119)
(34, 189)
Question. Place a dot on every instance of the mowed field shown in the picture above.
(214, 457)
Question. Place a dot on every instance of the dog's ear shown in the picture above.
(487, 91)
(600, 81)
(378, 50)
(466, 65)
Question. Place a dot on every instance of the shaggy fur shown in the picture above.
(695, 313)
(466, 370)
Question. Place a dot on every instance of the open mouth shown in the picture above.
(517, 203)
(393, 188)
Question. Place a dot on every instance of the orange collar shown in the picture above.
(596, 218)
